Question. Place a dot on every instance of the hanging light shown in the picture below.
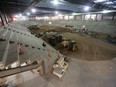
(106, 11)
(56, 12)
(28, 13)
(86, 8)
(55, 2)
(33, 10)
(20, 14)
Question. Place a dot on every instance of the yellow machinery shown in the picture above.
(69, 44)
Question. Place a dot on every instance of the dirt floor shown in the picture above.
(89, 48)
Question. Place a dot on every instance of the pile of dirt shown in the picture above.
(49, 27)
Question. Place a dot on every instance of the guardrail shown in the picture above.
(8, 72)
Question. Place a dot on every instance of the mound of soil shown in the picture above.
(49, 27)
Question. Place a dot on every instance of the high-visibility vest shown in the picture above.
(49, 53)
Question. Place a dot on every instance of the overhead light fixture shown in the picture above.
(28, 13)
(88, 15)
(56, 12)
(106, 11)
(33, 10)
(109, 2)
(46, 17)
(73, 13)
(23, 18)
(16, 16)
(50, 22)
(55, 2)
(86, 8)
(20, 14)
(97, 1)
(60, 15)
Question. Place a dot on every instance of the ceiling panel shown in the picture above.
(64, 5)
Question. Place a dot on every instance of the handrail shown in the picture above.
(8, 72)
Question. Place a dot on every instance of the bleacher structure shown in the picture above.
(21, 51)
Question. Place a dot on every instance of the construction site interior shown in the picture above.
(54, 43)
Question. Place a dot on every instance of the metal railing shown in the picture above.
(12, 71)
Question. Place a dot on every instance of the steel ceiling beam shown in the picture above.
(16, 3)
(33, 3)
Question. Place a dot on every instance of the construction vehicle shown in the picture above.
(54, 39)
(111, 39)
(70, 45)
(60, 67)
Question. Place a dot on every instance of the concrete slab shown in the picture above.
(87, 74)
(79, 74)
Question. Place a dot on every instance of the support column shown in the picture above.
(6, 19)
(4, 13)
(43, 66)
(90, 17)
(102, 17)
(1, 18)
(96, 17)
(63, 18)
(81, 17)
(114, 14)
(68, 18)
(75, 17)
(84, 17)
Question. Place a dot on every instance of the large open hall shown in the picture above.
(57, 43)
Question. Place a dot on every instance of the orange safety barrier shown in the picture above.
(58, 52)
(19, 49)
(49, 53)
